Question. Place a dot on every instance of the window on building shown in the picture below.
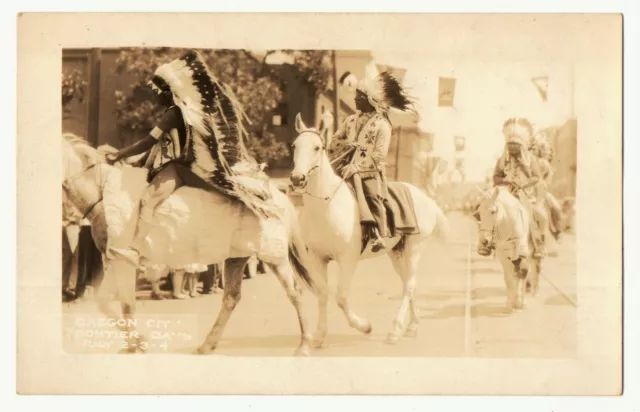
(281, 115)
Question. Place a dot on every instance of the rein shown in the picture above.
(317, 166)
(65, 184)
(495, 239)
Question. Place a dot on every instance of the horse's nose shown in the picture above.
(296, 178)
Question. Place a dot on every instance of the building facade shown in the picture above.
(95, 118)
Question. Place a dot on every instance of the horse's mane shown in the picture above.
(81, 146)
(74, 139)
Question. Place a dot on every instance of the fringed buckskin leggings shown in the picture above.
(164, 183)
(371, 186)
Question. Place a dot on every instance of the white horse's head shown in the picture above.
(487, 214)
(308, 153)
(77, 157)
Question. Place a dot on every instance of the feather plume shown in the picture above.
(384, 90)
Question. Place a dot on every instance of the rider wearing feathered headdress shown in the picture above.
(203, 128)
(518, 169)
(368, 134)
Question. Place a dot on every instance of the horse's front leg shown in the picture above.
(119, 282)
(125, 281)
(233, 271)
(347, 269)
(285, 275)
(509, 281)
(534, 275)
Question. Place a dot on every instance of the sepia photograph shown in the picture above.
(369, 179)
(364, 202)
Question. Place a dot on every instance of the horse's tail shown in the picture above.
(298, 266)
(298, 252)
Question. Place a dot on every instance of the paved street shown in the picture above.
(461, 297)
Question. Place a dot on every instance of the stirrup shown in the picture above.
(377, 245)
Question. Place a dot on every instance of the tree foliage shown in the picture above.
(73, 87)
(257, 86)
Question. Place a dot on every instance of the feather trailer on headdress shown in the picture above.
(541, 143)
(216, 124)
(384, 91)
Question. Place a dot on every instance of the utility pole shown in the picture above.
(336, 94)
(94, 65)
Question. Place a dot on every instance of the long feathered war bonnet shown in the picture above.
(517, 130)
(216, 122)
(384, 91)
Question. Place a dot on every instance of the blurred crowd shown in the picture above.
(82, 272)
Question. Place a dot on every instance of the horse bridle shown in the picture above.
(317, 166)
(494, 233)
(67, 181)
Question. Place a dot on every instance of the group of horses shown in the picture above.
(327, 228)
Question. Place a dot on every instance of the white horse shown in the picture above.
(330, 221)
(191, 226)
(505, 224)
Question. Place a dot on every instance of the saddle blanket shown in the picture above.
(401, 213)
(192, 226)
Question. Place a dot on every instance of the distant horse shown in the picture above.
(330, 221)
(191, 226)
(505, 225)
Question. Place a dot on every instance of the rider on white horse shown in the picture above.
(368, 134)
(518, 169)
(199, 142)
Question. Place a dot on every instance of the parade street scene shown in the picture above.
(324, 203)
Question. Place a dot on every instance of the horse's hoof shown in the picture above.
(392, 339)
(203, 350)
(318, 344)
(367, 329)
(157, 296)
(301, 352)
(411, 332)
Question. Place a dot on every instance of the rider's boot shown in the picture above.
(133, 252)
(377, 244)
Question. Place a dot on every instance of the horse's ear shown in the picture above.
(300, 126)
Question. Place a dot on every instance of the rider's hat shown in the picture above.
(384, 90)
(517, 130)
